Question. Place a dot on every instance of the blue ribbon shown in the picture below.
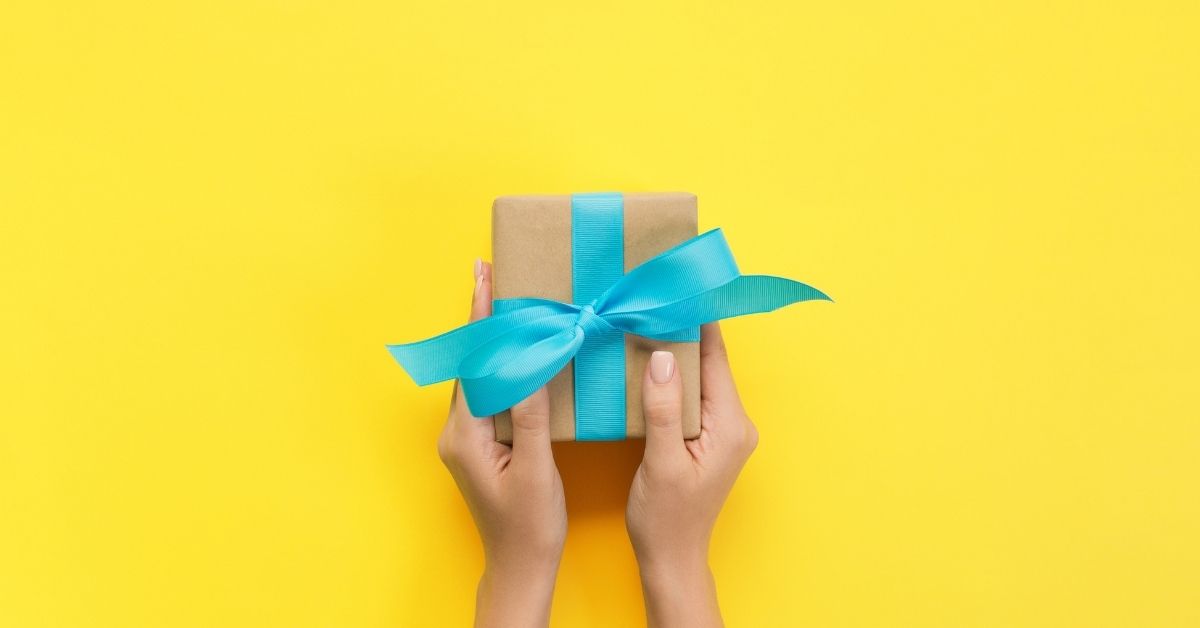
(598, 262)
(504, 358)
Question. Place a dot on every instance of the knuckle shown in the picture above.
(715, 350)
(529, 415)
(662, 409)
(532, 420)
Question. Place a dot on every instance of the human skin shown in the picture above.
(680, 487)
(515, 494)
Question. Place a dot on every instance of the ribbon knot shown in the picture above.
(588, 321)
(505, 357)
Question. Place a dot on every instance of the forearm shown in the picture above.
(680, 593)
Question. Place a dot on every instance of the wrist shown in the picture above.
(515, 593)
(522, 568)
(681, 554)
(679, 591)
(656, 568)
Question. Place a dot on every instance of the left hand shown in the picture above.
(680, 487)
(515, 496)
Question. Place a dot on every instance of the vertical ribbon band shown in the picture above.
(598, 262)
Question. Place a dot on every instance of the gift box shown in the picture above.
(535, 251)
(585, 288)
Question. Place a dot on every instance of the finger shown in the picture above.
(662, 404)
(481, 307)
(481, 299)
(531, 431)
(716, 378)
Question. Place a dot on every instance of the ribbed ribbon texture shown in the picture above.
(598, 262)
(505, 357)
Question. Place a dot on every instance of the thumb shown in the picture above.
(531, 430)
(662, 404)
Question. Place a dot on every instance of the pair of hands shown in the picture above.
(515, 493)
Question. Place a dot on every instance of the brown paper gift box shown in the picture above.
(531, 257)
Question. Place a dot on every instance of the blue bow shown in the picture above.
(504, 358)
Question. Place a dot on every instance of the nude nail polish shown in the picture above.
(662, 366)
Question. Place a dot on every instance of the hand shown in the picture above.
(515, 496)
(681, 485)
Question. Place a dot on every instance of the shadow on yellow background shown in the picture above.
(596, 477)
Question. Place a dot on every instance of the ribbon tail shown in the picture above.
(437, 359)
(747, 294)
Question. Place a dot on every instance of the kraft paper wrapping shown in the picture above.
(531, 257)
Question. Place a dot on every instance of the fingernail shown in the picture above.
(478, 269)
(662, 366)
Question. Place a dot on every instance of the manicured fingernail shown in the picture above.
(662, 366)
(478, 269)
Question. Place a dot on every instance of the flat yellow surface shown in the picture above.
(215, 214)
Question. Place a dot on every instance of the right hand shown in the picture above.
(515, 496)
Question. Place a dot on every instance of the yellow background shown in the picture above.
(215, 214)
